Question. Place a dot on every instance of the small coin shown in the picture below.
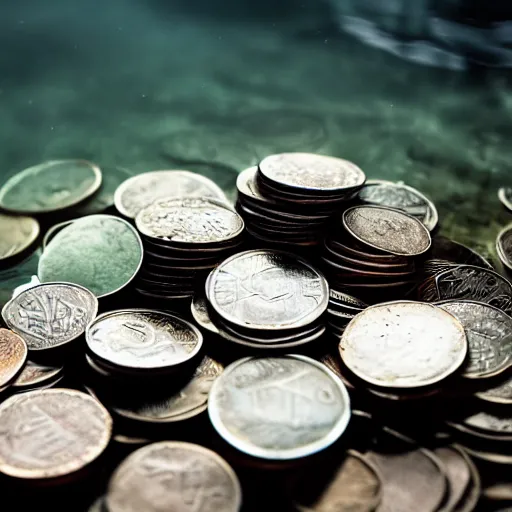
(504, 246)
(174, 476)
(50, 315)
(505, 196)
(50, 186)
(35, 375)
(388, 230)
(17, 234)
(13, 354)
(279, 408)
(142, 339)
(403, 345)
(51, 433)
(144, 189)
(494, 426)
(500, 393)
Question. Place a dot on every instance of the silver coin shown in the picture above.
(267, 290)
(189, 220)
(36, 375)
(504, 246)
(143, 339)
(50, 315)
(491, 425)
(489, 334)
(279, 408)
(144, 189)
(505, 196)
(500, 393)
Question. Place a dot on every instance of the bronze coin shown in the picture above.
(13, 354)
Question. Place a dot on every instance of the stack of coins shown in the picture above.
(342, 308)
(288, 198)
(184, 239)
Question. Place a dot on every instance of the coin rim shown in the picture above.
(499, 247)
(29, 241)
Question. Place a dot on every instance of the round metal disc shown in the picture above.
(499, 393)
(17, 234)
(36, 375)
(13, 354)
(504, 246)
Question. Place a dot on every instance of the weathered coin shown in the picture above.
(51, 433)
(50, 315)
(505, 196)
(279, 408)
(489, 334)
(267, 290)
(100, 252)
(388, 230)
(403, 345)
(17, 234)
(448, 250)
(13, 354)
(35, 375)
(142, 339)
(504, 246)
(174, 476)
(50, 186)
(144, 189)
(499, 393)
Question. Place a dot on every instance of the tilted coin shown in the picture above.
(174, 476)
(17, 234)
(504, 246)
(100, 252)
(13, 354)
(143, 339)
(403, 345)
(505, 196)
(51, 433)
(50, 315)
(445, 249)
(500, 393)
(267, 290)
(494, 458)
(490, 424)
(279, 408)
(35, 375)
(144, 189)
(489, 334)
(50, 186)
(387, 230)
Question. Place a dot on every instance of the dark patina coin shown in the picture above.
(444, 249)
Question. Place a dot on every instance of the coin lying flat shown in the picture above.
(13, 354)
(504, 246)
(142, 339)
(279, 408)
(142, 190)
(50, 315)
(403, 345)
(505, 196)
(50, 186)
(500, 393)
(174, 476)
(17, 234)
(491, 425)
(35, 375)
(51, 433)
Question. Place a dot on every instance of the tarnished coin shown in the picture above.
(17, 234)
(499, 393)
(36, 375)
(504, 246)
(505, 196)
(401, 197)
(50, 186)
(100, 252)
(50, 315)
(279, 408)
(267, 290)
(190, 220)
(13, 354)
(51, 433)
(403, 345)
(144, 189)
(312, 172)
(445, 249)
(142, 339)
(174, 476)
(387, 230)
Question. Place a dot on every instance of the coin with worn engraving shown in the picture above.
(174, 476)
(505, 196)
(100, 252)
(143, 339)
(144, 189)
(50, 186)
(504, 246)
(279, 408)
(388, 230)
(17, 234)
(189, 220)
(489, 334)
(499, 392)
(13, 354)
(35, 375)
(51, 433)
(50, 315)
(267, 290)
(403, 344)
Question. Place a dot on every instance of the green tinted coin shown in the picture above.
(17, 234)
(100, 252)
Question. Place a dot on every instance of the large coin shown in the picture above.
(403, 345)
(489, 334)
(100, 252)
(50, 315)
(142, 339)
(144, 189)
(17, 234)
(387, 230)
(268, 290)
(279, 408)
(50, 186)
(174, 476)
(13, 354)
(190, 220)
(312, 172)
(504, 246)
(51, 433)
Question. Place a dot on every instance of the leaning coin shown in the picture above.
(448, 250)
(279, 408)
(35, 375)
(505, 196)
(17, 234)
(403, 345)
(50, 315)
(499, 393)
(490, 425)
(51, 433)
(50, 186)
(13, 354)
(174, 476)
(504, 246)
